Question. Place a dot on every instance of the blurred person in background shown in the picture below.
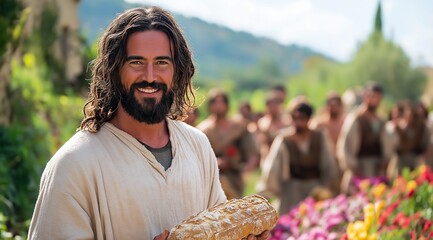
(330, 123)
(281, 92)
(331, 120)
(233, 144)
(133, 170)
(192, 117)
(245, 116)
(299, 163)
(412, 137)
(271, 123)
(364, 148)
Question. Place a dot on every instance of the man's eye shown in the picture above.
(162, 63)
(135, 63)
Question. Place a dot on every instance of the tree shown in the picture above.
(378, 19)
(12, 19)
(382, 61)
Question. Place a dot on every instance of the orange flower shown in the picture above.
(364, 185)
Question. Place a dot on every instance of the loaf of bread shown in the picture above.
(233, 220)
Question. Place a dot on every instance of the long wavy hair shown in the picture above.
(104, 95)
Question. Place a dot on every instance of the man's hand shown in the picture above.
(162, 236)
(224, 163)
(263, 236)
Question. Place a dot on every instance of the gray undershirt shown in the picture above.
(163, 155)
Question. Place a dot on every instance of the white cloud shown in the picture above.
(333, 27)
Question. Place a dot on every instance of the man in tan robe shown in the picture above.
(412, 138)
(299, 162)
(330, 123)
(232, 143)
(133, 171)
(364, 148)
(270, 124)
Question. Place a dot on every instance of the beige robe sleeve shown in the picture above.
(348, 144)
(66, 204)
(328, 165)
(275, 168)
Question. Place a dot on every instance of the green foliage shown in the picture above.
(9, 15)
(19, 174)
(378, 60)
(41, 43)
(320, 77)
(378, 19)
(42, 122)
(382, 61)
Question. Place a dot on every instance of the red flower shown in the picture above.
(406, 222)
(231, 151)
(399, 219)
(410, 193)
(412, 235)
(427, 225)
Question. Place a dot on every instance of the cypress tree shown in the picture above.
(378, 19)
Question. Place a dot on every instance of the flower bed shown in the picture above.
(402, 209)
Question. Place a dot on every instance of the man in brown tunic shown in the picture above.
(232, 143)
(364, 148)
(299, 162)
(412, 138)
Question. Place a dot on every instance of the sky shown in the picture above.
(332, 27)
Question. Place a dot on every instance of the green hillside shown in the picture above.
(220, 52)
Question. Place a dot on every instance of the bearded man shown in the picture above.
(364, 147)
(299, 163)
(134, 169)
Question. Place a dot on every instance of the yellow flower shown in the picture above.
(411, 185)
(372, 236)
(378, 207)
(378, 190)
(422, 169)
(357, 231)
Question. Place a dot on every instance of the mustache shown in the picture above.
(145, 84)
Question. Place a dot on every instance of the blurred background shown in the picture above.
(245, 47)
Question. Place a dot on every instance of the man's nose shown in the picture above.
(149, 73)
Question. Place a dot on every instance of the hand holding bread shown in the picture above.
(236, 219)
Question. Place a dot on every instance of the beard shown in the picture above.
(334, 114)
(149, 111)
(371, 108)
(301, 130)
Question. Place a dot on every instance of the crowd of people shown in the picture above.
(300, 153)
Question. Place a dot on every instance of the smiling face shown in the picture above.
(147, 76)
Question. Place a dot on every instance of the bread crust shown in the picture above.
(232, 220)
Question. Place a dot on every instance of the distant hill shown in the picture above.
(218, 51)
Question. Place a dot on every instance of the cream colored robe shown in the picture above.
(277, 182)
(109, 186)
(348, 146)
